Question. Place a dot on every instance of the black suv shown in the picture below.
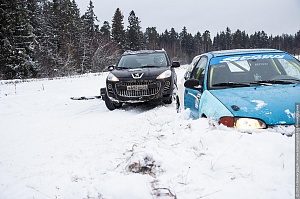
(140, 76)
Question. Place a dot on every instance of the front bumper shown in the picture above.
(139, 90)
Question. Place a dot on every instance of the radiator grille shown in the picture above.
(153, 89)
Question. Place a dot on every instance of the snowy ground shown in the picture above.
(54, 147)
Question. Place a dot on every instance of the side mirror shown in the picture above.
(110, 68)
(175, 64)
(193, 84)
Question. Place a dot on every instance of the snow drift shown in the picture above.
(54, 147)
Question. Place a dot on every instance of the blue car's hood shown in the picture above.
(273, 104)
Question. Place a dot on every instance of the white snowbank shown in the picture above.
(54, 147)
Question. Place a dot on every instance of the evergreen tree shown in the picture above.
(297, 43)
(151, 38)
(237, 39)
(186, 43)
(45, 33)
(288, 43)
(105, 31)
(174, 43)
(75, 30)
(198, 44)
(17, 40)
(222, 45)
(216, 42)
(134, 33)
(89, 19)
(228, 39)
(51, 39)
(6, 50)
(164, 39)
(183, 39)
(276, 42)
(245, 40)
(207, 43)
(117, 31)
(68, 33)
(264, 40)
(90, 38)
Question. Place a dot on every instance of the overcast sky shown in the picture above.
(273, 16)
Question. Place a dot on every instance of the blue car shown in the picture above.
(245, 89)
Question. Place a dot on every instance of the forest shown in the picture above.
(51, 38)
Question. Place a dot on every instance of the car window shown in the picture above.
(199, 70)
(291, 67)
(247, 72)
(143, 59)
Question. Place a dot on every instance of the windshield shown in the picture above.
(142, 60)
(264, 70)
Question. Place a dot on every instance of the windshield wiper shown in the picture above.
(291, 80)
(124, 68)
(232, 84)
(263, 83)
(149, 66)
(277, 81)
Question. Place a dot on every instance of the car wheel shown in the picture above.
(109, 104)
(118, 105)
(169, 100)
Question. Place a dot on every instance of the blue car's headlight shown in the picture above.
(249, 123)
(242, 123)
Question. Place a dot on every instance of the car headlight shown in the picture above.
(165, 74)
(112, 77)
(249, 123)
(242, 123)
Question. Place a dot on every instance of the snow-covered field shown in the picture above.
(54, 147)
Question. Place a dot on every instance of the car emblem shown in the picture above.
(137, 75)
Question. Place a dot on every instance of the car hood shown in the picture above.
(273, 104)
(139, 73)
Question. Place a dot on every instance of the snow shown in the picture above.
(259, 104)
(289, 113)
(54, 147)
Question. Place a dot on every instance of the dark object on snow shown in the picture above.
(85, 98)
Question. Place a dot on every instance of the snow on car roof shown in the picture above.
(130, 52)
(242, 51)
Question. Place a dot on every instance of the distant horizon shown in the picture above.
(196, 18)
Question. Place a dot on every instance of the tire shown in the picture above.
(109, 104)
(118, 105)
(169, 100)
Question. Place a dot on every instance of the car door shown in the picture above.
(193, 96)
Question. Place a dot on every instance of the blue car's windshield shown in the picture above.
(131, 61)
(246, 72)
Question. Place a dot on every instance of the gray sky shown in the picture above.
(273, 16)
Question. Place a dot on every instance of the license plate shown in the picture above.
(137, 87)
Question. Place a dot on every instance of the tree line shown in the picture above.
(50, 38)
